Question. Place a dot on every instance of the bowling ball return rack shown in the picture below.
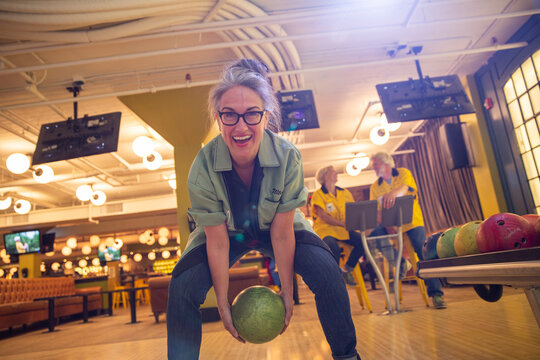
(489, 272)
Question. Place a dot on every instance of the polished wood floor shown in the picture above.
(468, 329)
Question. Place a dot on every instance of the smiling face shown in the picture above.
(381, 168)
(243, 140)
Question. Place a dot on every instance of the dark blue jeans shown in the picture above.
(355, 239)
(418, 237)
(313, 261)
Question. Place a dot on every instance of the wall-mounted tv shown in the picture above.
(110, 253)
(22, 242)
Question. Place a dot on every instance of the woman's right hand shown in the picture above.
(226, 317)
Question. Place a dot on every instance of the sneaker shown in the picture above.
(349, 280)
(438, 302)
(405, 267)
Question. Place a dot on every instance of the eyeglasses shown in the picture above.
(230, 118)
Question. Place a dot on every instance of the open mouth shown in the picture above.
(242, 139)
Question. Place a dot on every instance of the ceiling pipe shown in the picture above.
(291, 17)
(280, 73)
(330, 143)
(370, 104)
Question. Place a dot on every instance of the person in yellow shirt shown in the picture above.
(393, 182)
(328, 209)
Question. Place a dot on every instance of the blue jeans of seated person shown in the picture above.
(355, 239)
(190, 284)
(417, 236)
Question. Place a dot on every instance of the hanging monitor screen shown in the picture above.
(298, 110)
(89, 135)
(425, 98)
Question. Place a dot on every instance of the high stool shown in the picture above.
(120, 297)
(413, 258)
(360, 288)
(143, 295)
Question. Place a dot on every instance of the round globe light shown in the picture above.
(83, 263)
(68, 265)
(142, 238)
(379, 135)
(86, 249)
(142, 146)
(71, 242)
(95, 262)
(22, 206)
(123, 259)
(178, 252)
(94, 240)
(18, 163)
(55, 266)
(163, 241)
(66, 251)
(152, 256)
(151, 241)
(163, 232)
(6, 203)
(102, 247)
(137, 257)
(118, 243)
(109, 242)
(1, 273)
(165, 254)
(153, 160)
(84, 192)
(172, 183)
(352, 168)
(98, 198)
(43, 174)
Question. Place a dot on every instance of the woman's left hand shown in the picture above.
(288, 302)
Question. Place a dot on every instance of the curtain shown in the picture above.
(447, 197)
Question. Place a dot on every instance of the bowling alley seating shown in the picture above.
(239, 279)
(360, 288)
(17, 305)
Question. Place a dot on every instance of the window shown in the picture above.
(522, 95)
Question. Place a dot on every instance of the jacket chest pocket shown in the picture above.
(267, 211)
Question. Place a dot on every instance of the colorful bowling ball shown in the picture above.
(505, 231)
(258, 314)
(465, 240)
(445, 245)
(429, 249)
(534, 220)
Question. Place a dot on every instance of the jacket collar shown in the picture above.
(267, 153)
(394, 174)
(325, 190)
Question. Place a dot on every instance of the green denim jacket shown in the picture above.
(282, 188)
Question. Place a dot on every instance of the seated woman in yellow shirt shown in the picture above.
(328, 209)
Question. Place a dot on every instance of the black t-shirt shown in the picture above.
(244, 202)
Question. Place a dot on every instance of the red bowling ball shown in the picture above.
(505, 231)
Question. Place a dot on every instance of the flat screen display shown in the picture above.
(110, 253)
(22, 242)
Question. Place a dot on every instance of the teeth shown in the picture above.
(240, 138)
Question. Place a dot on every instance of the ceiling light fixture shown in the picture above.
(389, 126)
(66, 251)
(43, 174)
(172, 181)
(72, 242)
(98, 198)
(86, 249)
(22, 206)
(95, 262)
(152, 161)
(379, 135)
(152, 256)
(84, 192)
(142, 146)
(18, 163)
(6, 203)
(94, 240)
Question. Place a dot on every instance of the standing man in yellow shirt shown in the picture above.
(393, 182)
(328, 209)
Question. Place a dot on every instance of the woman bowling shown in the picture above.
(245, 188)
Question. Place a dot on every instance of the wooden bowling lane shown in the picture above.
(469, 329)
